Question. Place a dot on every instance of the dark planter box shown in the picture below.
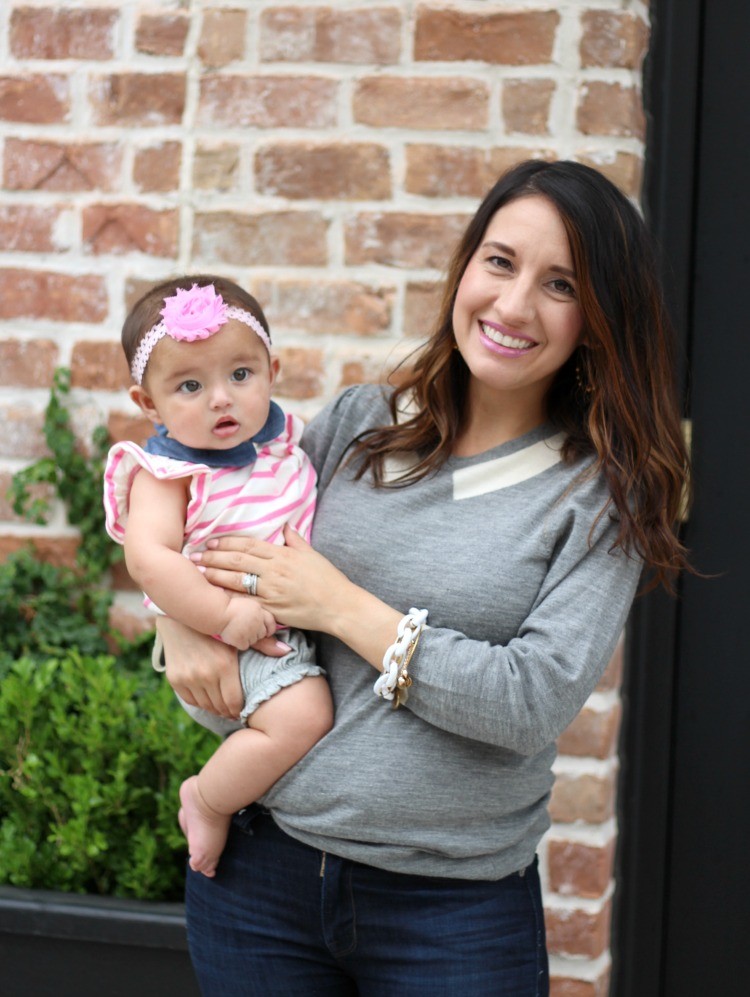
(69, 945)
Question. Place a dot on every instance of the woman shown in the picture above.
(513, 487)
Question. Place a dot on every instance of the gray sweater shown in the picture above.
(525, 606)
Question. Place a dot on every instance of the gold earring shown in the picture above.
(582, 381)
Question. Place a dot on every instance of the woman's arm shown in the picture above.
(153, 544)
(519, 695)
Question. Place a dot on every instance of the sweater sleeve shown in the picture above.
(522, 695)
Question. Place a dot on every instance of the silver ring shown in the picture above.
(250, 583)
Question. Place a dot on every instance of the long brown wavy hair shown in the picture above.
(615, 398)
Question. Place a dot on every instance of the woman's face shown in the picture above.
(516, 316)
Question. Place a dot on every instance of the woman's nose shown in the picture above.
(514, 303)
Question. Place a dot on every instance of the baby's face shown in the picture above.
(212, 393)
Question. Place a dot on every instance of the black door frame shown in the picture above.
(683, 874)
(671, 98)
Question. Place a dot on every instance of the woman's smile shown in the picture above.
(504, 341)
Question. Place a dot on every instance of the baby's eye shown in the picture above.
(241, 374)
(189, 387)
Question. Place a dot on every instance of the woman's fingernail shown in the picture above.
(196, 555)
(282, 646)
(212, 544)
(202, 568)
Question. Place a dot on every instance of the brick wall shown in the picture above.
(326, 155)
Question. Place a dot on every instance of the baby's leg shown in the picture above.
(248, 763)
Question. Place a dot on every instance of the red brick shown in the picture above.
(26, 228)
(497, 37)
(121, 580)
(363, 370)
(121, 426)
(27, 363)
(504, 157)
(593, 733)
(613, 39)
(610, 109)
(580, 870)
(60, 551)
(157, 168)
(136, 287)
(216, 167)
(45, 33)
(222, 37)
(34, 99)
(21, 432)
(612, 677)
(577, 932)
(295, 238)
(344, 171)
(567, 986)
(401, 102)
(162, 34)
(624, 169)
(588, 798)
(325, 34)
(46, 295)
(302, 373)
(30, 165)
(128, 624)
(130, 228)
(267, 101)
(146, 99)
(445, 171)
(402, 239)
(366, 369)
(99, 366)
(330, 307)
(422, 307)
(461, 171)
(526, 105)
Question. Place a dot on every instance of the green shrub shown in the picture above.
(92, 759)
(93, 744)
(45, 607)
(75, 478)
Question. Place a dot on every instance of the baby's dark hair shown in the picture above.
(146, 312)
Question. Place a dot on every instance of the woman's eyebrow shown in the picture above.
(509, 251)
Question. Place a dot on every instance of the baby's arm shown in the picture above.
(153, 544)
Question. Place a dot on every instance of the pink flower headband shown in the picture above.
(191, 315)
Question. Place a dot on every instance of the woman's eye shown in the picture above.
(502, 262)
(189, 387)
(562, 286)
(241, 374)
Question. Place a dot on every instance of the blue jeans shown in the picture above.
(284, 919)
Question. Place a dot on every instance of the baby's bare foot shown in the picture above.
(206, 831)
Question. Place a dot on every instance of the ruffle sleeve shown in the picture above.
(123, 463)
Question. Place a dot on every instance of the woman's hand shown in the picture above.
(296, 583)
(303, 589)
(203, 671)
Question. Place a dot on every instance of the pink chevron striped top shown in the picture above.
(256, 500)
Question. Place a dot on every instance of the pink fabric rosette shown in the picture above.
(194, 314)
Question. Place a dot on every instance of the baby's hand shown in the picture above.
(246, 623)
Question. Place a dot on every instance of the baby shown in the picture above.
(225, 460)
